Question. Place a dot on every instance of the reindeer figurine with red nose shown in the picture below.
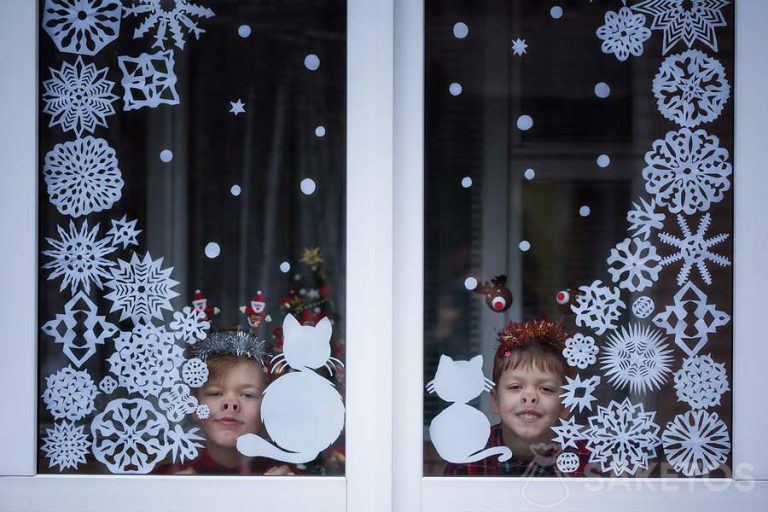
(497, 296)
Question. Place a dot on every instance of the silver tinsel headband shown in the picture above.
(235, 342)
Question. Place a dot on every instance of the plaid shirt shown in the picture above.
(205, 465)
(542, 464)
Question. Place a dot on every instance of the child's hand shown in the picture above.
(279, 471)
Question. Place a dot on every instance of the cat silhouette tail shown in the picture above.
(503, 452)
(252, 445)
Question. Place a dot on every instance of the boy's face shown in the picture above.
(235, 402)
(527, 399)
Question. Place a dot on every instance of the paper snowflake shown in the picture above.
(194, 372)
(578, 393)
(78, 97)
(129, 436)
(622, 437)
(183, 445)
(690, 319)
(568, 433)
(567, 462)
(687, 171)
(634, 264)
(124, 232)
(580, 350)
(148, 80)
(597, 307)
(696, 442)
(643, 307)
(190, 325)
(636, 357)
(176, 402)
(69, 394)
(82, 26)
(82, 176)
(79, 329)
(65, 445)
(643, 218)
(701, 382)
(623, 33)
(237, 107)
(142, 289)
(694, 250)
(203, 412)
(519, 46)
(146, 360)
(685, 20)
(691, 88)
(108, 385)
(164, 18)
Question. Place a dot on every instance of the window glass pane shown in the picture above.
(582, 152)
(192, 222)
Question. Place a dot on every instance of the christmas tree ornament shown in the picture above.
(497, 296)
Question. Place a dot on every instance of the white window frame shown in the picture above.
(366, 485)
(748, 489)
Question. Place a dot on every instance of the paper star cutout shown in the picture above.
(238, 107)
(519, 46)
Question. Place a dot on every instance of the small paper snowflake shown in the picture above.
(65, 445)
(203, 412)
(79, 256)
(634, 264)
(568, 433)
(519, 46)
(636, 357)
(688, 22)
(597, 307)
(124, 232)
(690, 319)
(578, 393)
(148, 80)
(166, 19)
(69, 394)
(567, 462)
(183, 445)
(643, 307)
(108, 385)
(643, 218)
(694, 250)
(622, 437)
(623, 33)
(194, 372)
(190, 325)
(142, 289)
(696, 442)
(82, 176)
(580, 350)
(177, 402)
(701, 382)
(687, 171)
(82, 26)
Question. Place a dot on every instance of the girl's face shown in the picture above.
(234, 399)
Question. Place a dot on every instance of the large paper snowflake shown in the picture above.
(124, 232)
(687, 171)
(146, 360)
(634, 264)
(696, 442)
(623, 33)
(701, 382)
(65, 445)
(142, 289)
(167, 16)
(79, 256)
(148, 80)
(643, 218)
(82, 176)
(176, 402)
(622, 437)
(691, 88)
(636, 357)
(685, 20)
(82, 26)
(195, 372)
(568, 433)
(78, 97)
(597, 307)
(183, 445)
(79, 329)
(129, 436)
(69, 394)
(694, 250)
(578, 393)
(580, 350)
(690, 319)
(190, 325)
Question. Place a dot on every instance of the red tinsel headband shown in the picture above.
(547, 334)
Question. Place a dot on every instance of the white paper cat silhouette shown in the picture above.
(303, 412)
(460, 433)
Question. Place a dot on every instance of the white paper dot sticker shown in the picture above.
(524, 122)
(602, 90)
(529, 174)
(166, 155)
(460, 30)
(312, 62)
(285, 267)
(466, 182)
(584, 211)
(603, 161)
(454, 89)
(556, 12)
(470, 283)
(308, 186)
(212, 250)
(320, 131)
(235, 190)
(244, 31)
(524, 246)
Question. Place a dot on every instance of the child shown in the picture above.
(237, 377)
(528, 370)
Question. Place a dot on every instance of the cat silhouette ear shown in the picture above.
(325, 327)
(290, 326)
(476, 361)
(445, 359)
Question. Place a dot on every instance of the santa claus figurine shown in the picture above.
(200, 303)
(255, 312)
